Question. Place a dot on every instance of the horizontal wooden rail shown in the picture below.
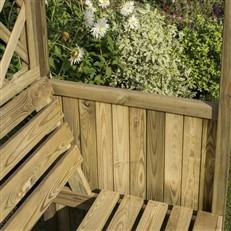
(170, 104)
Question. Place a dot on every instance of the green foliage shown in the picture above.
(66, 29)
(202, 53)
(151, 55)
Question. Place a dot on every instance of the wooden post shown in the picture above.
(224, 124)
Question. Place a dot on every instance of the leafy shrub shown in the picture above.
(202, 53)
(151, 55)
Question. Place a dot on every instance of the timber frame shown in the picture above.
(171, 154)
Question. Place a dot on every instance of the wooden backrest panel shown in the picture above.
(31, 153)
(139, 150)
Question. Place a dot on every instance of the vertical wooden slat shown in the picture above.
(88, 141)
(207, 164)
(42, 37)
(224, 125)
(121, 148)
(62, 213)
(71, 116)
(32, 37)
(104, 145)
(191, 162)
(138, 152)
(155, 155)
(173, 158)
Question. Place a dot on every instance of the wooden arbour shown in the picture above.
(207, 123)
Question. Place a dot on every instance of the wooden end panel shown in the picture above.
(179, 219)
(153, 216)
(100, 211)
(207, 221)
(41, 125)
(34, 98)
(19, 183)
(32, 209)
(126, 214)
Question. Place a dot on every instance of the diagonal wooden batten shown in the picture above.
(37, 203)
(20, 49)
(2, 4)
(20, 81)
(17, 186)
(37, 96)
(26, 138)
(10, 48)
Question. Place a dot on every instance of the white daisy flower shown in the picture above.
(104, 3)
(89, 18)
(100, 28)
(127, 8)
(88, 4)
(76, 55)
(133, 22)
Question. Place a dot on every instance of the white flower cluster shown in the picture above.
(100, 27)
(126, 10)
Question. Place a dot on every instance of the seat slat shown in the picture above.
(41, 125)
(19, 183)
(32, 209)
(207, 221)
(34, 98)
(153, 216)
(126, 214)
(179, 219)
(100, 211)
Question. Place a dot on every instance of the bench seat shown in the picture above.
(111, 211)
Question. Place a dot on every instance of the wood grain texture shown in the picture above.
(207, 164)
(223, 144)
(191, 162)
(88, 141)
(12, 43)
(33, 98)
(126, 213)
(19, 82)
(72, 199)
(153, 216)
(155, 155)
(137, 152)
(179, 219)
(136, 99)
(100, 211)
(207, 221)
(41, 125)
(71, 116)
(15, 188)
(78, 182)
(104, 145)
(20, 48)
(32, 30)
(120, 117)
(173, 158)
(28, 214)
(42, 38)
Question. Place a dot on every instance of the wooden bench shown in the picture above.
(110, 211)
(38, 156)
